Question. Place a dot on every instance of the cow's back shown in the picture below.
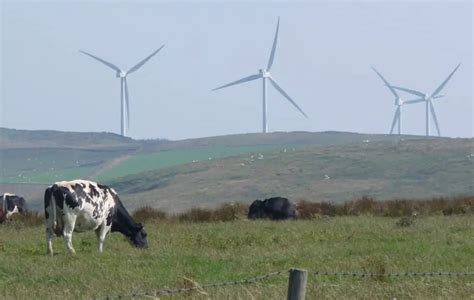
(86, 201)
(280, 208)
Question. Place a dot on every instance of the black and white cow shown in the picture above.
(276, 208)
(82, 205)
(12, 204)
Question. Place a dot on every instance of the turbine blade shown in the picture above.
(272, 54)
(110, 65)
(276, 86)
(141, 63)
(386, 83)
(127, 104)
(436, 92)
(396, 117)
(245, 79)
(417, 93)
(433, 113)
(413, 101)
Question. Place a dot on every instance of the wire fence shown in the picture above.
(201, 288)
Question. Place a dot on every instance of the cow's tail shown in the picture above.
(50, 200)
(3, 213)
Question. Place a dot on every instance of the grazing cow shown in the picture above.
(276, 208)
(82, 205)
(11, 204)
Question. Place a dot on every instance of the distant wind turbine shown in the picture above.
(264, 74)
(124, 101)
(428, 99)
(397, 118)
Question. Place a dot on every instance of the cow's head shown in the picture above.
(14, 204)
(138, 237)
(257, 210)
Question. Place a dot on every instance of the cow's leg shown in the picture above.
(49, 231)
(69, 224)
(49, 240)
(101, 233)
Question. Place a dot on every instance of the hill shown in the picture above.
(385, 170)
(176, 174)
(13, 138)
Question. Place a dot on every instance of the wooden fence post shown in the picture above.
(297, 284)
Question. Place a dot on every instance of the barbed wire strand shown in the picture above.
(399, 274)
(201, 288)
(255, 280)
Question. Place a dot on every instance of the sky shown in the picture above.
(323, 61)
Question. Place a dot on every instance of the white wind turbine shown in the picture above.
(397, 118)
(264, 74)
(428, 99)
(122, 74)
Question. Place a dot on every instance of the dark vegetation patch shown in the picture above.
(390, 208)
(365, 206)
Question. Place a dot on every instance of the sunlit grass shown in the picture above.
(215, 252)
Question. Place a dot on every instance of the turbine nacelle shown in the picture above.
(264, 73)
(398, 101)
(121, 74)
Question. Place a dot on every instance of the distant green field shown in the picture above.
(183, 253)
(43, 165)
(163, 159)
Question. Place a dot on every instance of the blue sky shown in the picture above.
(323, 61)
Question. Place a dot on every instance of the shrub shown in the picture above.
(28, 219)
(196, 215)
(230, 212)
(148, 213)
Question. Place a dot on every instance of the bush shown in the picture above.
(230, 212)
(390, 208)
(224, 213)
(28, 219)
(148, 213)
(196, 215)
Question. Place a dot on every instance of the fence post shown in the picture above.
(297, 284)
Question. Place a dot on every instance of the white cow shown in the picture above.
(82, 205)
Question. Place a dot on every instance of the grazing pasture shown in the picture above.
(181, 253)
(158, 160)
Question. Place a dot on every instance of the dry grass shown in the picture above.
(391, 208)
(306, 209)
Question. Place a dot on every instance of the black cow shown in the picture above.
(12, 204)
(80, 205)
(276, 208)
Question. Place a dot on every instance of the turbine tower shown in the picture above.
(122, 74)
(397, 118)
(265, 75)
(428, 99)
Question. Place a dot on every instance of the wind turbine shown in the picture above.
(428, 99)
(122, 74)
(264, 74)
(397, 118)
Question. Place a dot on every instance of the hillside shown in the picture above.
(385, 170)
(42, 157)
(13, 138)
(176, 174)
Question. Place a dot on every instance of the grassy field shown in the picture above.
(384, 170)
(216, 252)
(46, 165)
(155, 161)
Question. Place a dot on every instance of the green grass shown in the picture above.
(215, 252)
(44, 165)
(163, 159)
